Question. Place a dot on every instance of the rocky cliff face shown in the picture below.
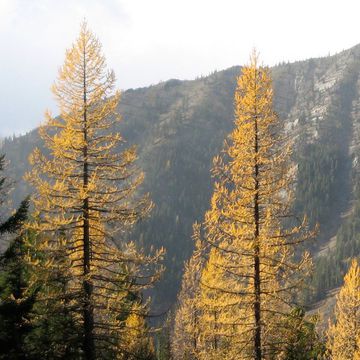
(180, 125)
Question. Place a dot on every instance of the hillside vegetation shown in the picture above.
(179, 126)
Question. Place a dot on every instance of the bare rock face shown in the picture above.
(180, 125)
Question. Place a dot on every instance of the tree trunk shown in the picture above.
(257, 279)
(88, 311)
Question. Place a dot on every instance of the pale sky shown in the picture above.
(148, 41)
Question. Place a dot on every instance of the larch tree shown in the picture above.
(185, 336)
(250, 227)
(87, 198)
(344, 333)
(139, 343)
(215, 313)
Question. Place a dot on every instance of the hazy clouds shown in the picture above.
(147, 41)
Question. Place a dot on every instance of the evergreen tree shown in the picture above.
(344, 333)
(253, 274)
(303, 341)
(56, 333)
(15, 301)
(86, 200)
(163, 340)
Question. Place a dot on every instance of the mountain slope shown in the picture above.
(180, 125)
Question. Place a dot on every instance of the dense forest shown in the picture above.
(199, 219)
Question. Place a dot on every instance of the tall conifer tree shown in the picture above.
(248, 229)
(86, 200)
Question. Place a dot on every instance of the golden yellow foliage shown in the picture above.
(139, 344)
(251, 276)
(185, 338)
(86, 196)
(344, 334)
(216, 316)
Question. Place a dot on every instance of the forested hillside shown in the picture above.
(180, 125)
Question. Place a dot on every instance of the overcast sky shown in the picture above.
(148, 41)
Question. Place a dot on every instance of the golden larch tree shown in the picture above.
(344, 333)
(249, 227)
(139, 343)
(185, 336)
(86, 199)
(216, 315)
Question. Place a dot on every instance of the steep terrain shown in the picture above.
(180, 125)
